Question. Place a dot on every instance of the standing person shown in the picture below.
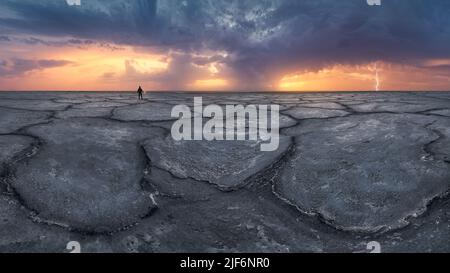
(140, 93)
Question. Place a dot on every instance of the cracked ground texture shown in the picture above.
(102, 169)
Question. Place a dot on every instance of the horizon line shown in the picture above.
(227, 91)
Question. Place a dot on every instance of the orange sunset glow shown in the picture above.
(363, 78)
(94, 69)
(194, 45)
(98, 68)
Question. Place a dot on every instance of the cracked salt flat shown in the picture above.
(226, 164)
(99, 179)
(306, 113)
(365, 173)
(84, 112)
(148, 111)
(42, 105)
(10, 147)
(443, 112)
(14, 119)
(91, 168)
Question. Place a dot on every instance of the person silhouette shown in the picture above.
(140, 93)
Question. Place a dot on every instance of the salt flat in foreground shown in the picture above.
(103, 170)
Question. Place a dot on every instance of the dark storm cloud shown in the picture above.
(17, 67)
(264, 38)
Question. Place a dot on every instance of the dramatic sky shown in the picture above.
(246, 45)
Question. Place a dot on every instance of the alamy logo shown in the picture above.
(239, 122)
(74, 247)
(374, 247)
